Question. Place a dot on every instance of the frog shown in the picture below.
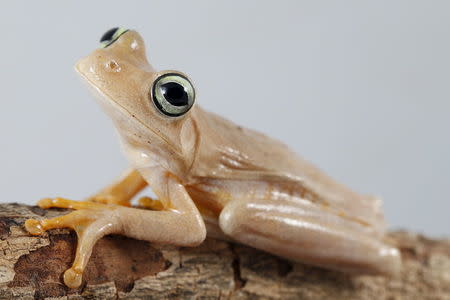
(211, 177)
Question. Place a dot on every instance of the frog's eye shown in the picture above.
(173, 94)
(111, 36)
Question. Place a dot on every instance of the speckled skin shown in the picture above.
(213, 176)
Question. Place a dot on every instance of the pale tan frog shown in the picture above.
(211, 177)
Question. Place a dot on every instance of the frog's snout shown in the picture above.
(111, 36)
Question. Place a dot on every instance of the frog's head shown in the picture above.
(148, 107)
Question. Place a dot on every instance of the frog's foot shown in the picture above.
(150, 203)
(108, 198)
(91, 221)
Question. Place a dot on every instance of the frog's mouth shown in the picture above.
(107, 102)
(100, 95)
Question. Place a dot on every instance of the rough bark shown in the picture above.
(31, 268)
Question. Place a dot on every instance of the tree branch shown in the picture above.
(32, 267)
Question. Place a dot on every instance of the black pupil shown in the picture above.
(108, 35)
(174, 93)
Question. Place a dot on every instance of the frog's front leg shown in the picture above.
(179, 224)
(305, 232)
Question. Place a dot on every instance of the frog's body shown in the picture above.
(213, 176)
(222, 158)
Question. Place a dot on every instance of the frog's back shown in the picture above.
(230, 152)
(225, 143)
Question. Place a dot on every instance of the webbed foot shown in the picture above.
(91, 221)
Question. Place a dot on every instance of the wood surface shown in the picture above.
(31, 268)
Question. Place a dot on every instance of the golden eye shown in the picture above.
(173, 94)
(111, 36)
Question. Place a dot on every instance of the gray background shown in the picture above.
(360, 88)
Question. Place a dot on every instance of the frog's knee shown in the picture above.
(232, 217)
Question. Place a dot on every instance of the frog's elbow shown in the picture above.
(195, 231)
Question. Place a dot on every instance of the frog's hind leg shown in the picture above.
(66, 203)
(306, 232)
(91, 221)
(122, 190)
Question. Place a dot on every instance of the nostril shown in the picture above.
(112, 66)
(111, 36)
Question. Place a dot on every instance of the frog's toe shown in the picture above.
(109, 199)
(45, 203)
(72, 278)
(34, 227)
(66, 203)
